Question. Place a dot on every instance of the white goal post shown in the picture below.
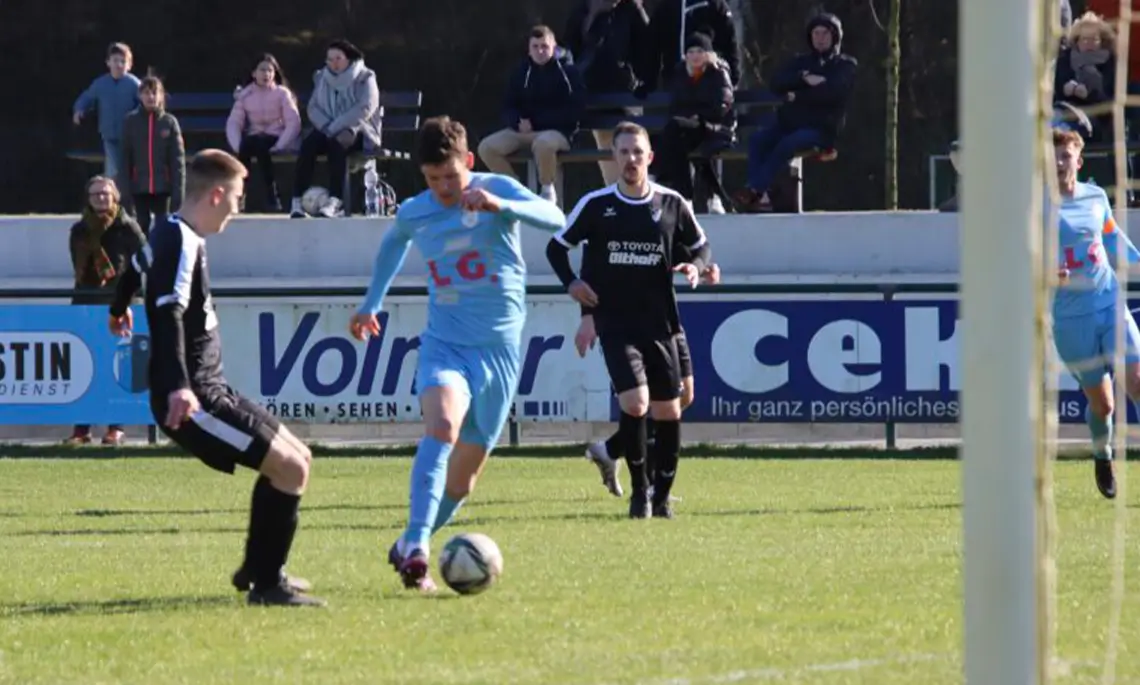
(1003, 373)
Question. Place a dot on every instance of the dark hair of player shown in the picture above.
(209, 169)
(441, 139)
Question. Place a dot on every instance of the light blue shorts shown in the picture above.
(489, 376)
(1087, 344)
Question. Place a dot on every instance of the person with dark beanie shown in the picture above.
(191, 401)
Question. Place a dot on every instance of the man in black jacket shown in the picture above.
(545, 99)
(609, 39)
(816, 85)
(675, 20)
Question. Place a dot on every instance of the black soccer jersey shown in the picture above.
(631, 247)
(186, 350)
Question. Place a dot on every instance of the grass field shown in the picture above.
(794, 571)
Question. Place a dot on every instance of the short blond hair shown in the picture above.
(209, 169)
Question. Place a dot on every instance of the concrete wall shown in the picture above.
(795, 246)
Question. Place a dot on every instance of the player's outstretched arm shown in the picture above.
(519, 203)
(389, 259)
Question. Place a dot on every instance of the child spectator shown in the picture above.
(344, 110)
(102, 243)
(264, 121)
(154, 156)
(113, 95)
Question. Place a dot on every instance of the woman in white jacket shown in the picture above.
(345, 113)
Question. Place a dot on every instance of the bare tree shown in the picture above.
(892, 124)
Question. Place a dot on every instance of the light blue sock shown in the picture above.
(447, 509)
(1101, 430)
(429, 476)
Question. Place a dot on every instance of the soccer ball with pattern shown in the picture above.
(316, 201)
(470, 563)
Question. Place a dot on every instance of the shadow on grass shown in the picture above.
(109, 513)
(946, 506)
(115, 606)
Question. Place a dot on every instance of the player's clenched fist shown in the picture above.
(363, 325)
(479, 200)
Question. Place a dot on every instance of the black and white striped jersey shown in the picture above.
(630, 246)
(186, 349)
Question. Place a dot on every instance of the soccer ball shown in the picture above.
(314, 199)
(470, 563)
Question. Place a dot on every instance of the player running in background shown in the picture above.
(606, 454)
(466, 226)
(1085, 315)
(189, 397)
(632, 231)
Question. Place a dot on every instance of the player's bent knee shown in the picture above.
(634, 402)
(1100, 402)
(443, 429)
(287, 467)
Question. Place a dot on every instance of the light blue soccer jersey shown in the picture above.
(1088, 249)
(477, 276)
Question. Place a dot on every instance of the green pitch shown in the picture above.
(816, 571)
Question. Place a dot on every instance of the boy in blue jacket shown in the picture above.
(113, 95)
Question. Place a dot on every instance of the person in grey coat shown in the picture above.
(345, 113)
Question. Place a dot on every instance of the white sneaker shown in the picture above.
(715, 205)
(607, 466)
(548, 193)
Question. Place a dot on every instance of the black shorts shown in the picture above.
(652, 363)
(229, 430)
(684, 359)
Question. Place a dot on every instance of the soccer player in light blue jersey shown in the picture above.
(466, 226)
(1085, 312)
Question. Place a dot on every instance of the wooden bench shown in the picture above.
(752, 108)
(204, 115)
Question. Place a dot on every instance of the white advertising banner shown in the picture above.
(300, 361)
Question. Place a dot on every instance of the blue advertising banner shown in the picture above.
(59, 365)
(836, 361)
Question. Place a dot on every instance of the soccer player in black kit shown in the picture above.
(633, 230)
(189, 397)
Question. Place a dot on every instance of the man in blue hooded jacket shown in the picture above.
(816, 86)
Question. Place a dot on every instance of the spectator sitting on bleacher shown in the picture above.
(675, 20)
(817, 85)
(264, 121)
(1086, 71)
(545, 99)
(701, 121)
(154, 157)
(102, 243)
(609, 39)
(113, 95)
(344, 110)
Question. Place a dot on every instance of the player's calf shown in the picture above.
(666, 452)
(273, 521)
(634, 407)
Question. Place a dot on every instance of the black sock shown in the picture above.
(615, 445)
(272, 524)
(666, 454)
(632, 429)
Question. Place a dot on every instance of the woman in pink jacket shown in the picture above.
(265, 120)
